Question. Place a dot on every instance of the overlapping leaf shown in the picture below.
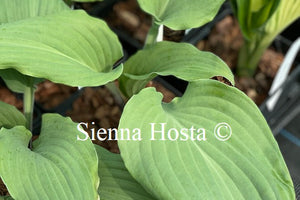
(180, 15)
(10, 116)
(168, 58)
(69, 47)
(248, 165)
(116, 182)
(59, 167)
(15, 10)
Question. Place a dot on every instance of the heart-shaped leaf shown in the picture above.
(10, 116)
(69, 47)
(182, 60)
(59, 167)
(180, 15)
(116, 182)
(215, 144)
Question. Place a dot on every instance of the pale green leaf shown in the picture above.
(59, 167)
(248, 165)
(15, 10)
(184, 14)
(70, 47)
(116, 182)
(168, 58)
(10, 116)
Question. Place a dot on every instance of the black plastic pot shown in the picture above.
(288, 106)
(63, 106)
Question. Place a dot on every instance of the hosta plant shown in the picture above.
(211, 143)
(260, 22)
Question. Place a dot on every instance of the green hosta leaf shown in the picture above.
(10, 116)
(168, 58)
(59, 167)
(180, 15)
(70, 47)
(15, 10)
(16, 81)
(248, 165)
(252, 15)
(116, 182)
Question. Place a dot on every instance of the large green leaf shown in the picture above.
(59, 167)
(10, 116)
(116, 182)
(15, 10)
(180, 15)
(69, 47)
(231, 155)
(168, 58)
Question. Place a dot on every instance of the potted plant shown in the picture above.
(211, 143)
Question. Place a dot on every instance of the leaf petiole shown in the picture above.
(28, 100)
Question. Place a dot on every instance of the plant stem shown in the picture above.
(120, 99)
(152, 35)
(28, 105)
(250, 55)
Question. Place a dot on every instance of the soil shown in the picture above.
(49, 95)
(3, 189)
(225, 40)
(8, 97)
(128, 17)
